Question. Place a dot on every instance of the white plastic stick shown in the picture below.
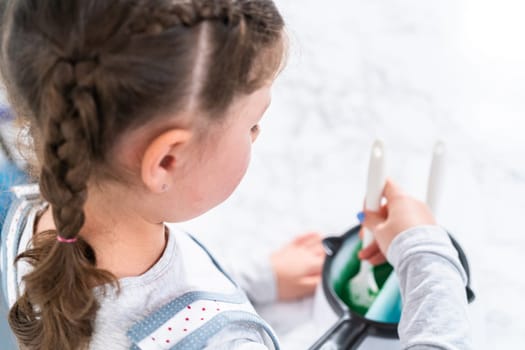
(435, 179)
(375, 185)
(387, 305)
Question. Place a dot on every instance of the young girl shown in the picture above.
(143, 112)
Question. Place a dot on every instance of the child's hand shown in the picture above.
(372, 253)
(400, 213)
(298, 266)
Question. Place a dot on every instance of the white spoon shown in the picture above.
(363, 286)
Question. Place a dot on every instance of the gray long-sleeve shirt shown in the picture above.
(431, 278)
(432, 283)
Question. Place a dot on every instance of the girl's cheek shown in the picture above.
(244, 163)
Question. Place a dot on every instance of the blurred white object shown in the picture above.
(436, 176)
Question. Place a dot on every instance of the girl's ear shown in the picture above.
(161, 158)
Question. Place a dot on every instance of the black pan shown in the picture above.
(352, 328)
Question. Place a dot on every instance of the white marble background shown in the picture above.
(410, 72)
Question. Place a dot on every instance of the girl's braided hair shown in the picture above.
(85, 71)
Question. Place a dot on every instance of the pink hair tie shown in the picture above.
(66, 240)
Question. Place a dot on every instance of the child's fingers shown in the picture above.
(314, 245)
(372, 218)
(315, 266)
(313, 242)
(304, 287)
(368, 252)
(317, 250)
(372, 254)
(392, 190)
(309, 283)
(377, 259)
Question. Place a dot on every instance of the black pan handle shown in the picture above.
(464, 262)
(345, 334)
(332, 244)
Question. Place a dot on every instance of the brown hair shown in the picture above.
(86, 71)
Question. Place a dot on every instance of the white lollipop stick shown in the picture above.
(375, 185)
(387, 305)
(435, 179)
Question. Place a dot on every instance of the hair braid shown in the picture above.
(67, 155)
(68, 119)
(185, 13)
